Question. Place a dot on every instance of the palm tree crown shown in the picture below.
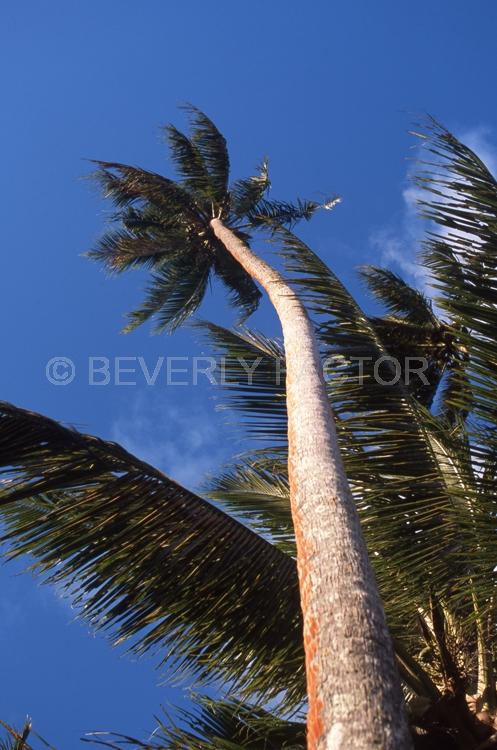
(164, 224)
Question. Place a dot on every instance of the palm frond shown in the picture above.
(462, 200)
(261, 496)
(460, 197)
(247, 193)
(126, 185)
(211, 145)
(174, 294)
(254, 376)
(455, 392)
(414, 348)
(255, 487)
(217, 725)
(268, 213)
(164, 224)
(411, 331)
(397, 296)
(190, 164)
(243, 293)
(148, 561)
(121, 249)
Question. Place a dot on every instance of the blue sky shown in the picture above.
(328, 91)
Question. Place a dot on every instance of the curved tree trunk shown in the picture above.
(354, 694)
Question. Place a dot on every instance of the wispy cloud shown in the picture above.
(397, 245)
(176, 432)
(479, 140)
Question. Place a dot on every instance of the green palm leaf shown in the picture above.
(462, 262)
(175, 292)
(254, 376)
(460, 196)
(242, 292)
(273, 213)
(218, 725)
(397, 296)
(149, 561)
(190, 164)
(211, 145)
(261, 496)
(247, 193)
(411, 331)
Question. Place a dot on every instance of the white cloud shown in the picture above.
(182, 438)
(479, 140)
(397, 245)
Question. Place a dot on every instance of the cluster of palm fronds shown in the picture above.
(213, 587)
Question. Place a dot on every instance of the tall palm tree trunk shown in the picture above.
(354, 694)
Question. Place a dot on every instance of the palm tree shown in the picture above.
(139, 552)
(185, 229)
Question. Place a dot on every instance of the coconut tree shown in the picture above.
(184, 230)
(139, 552)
